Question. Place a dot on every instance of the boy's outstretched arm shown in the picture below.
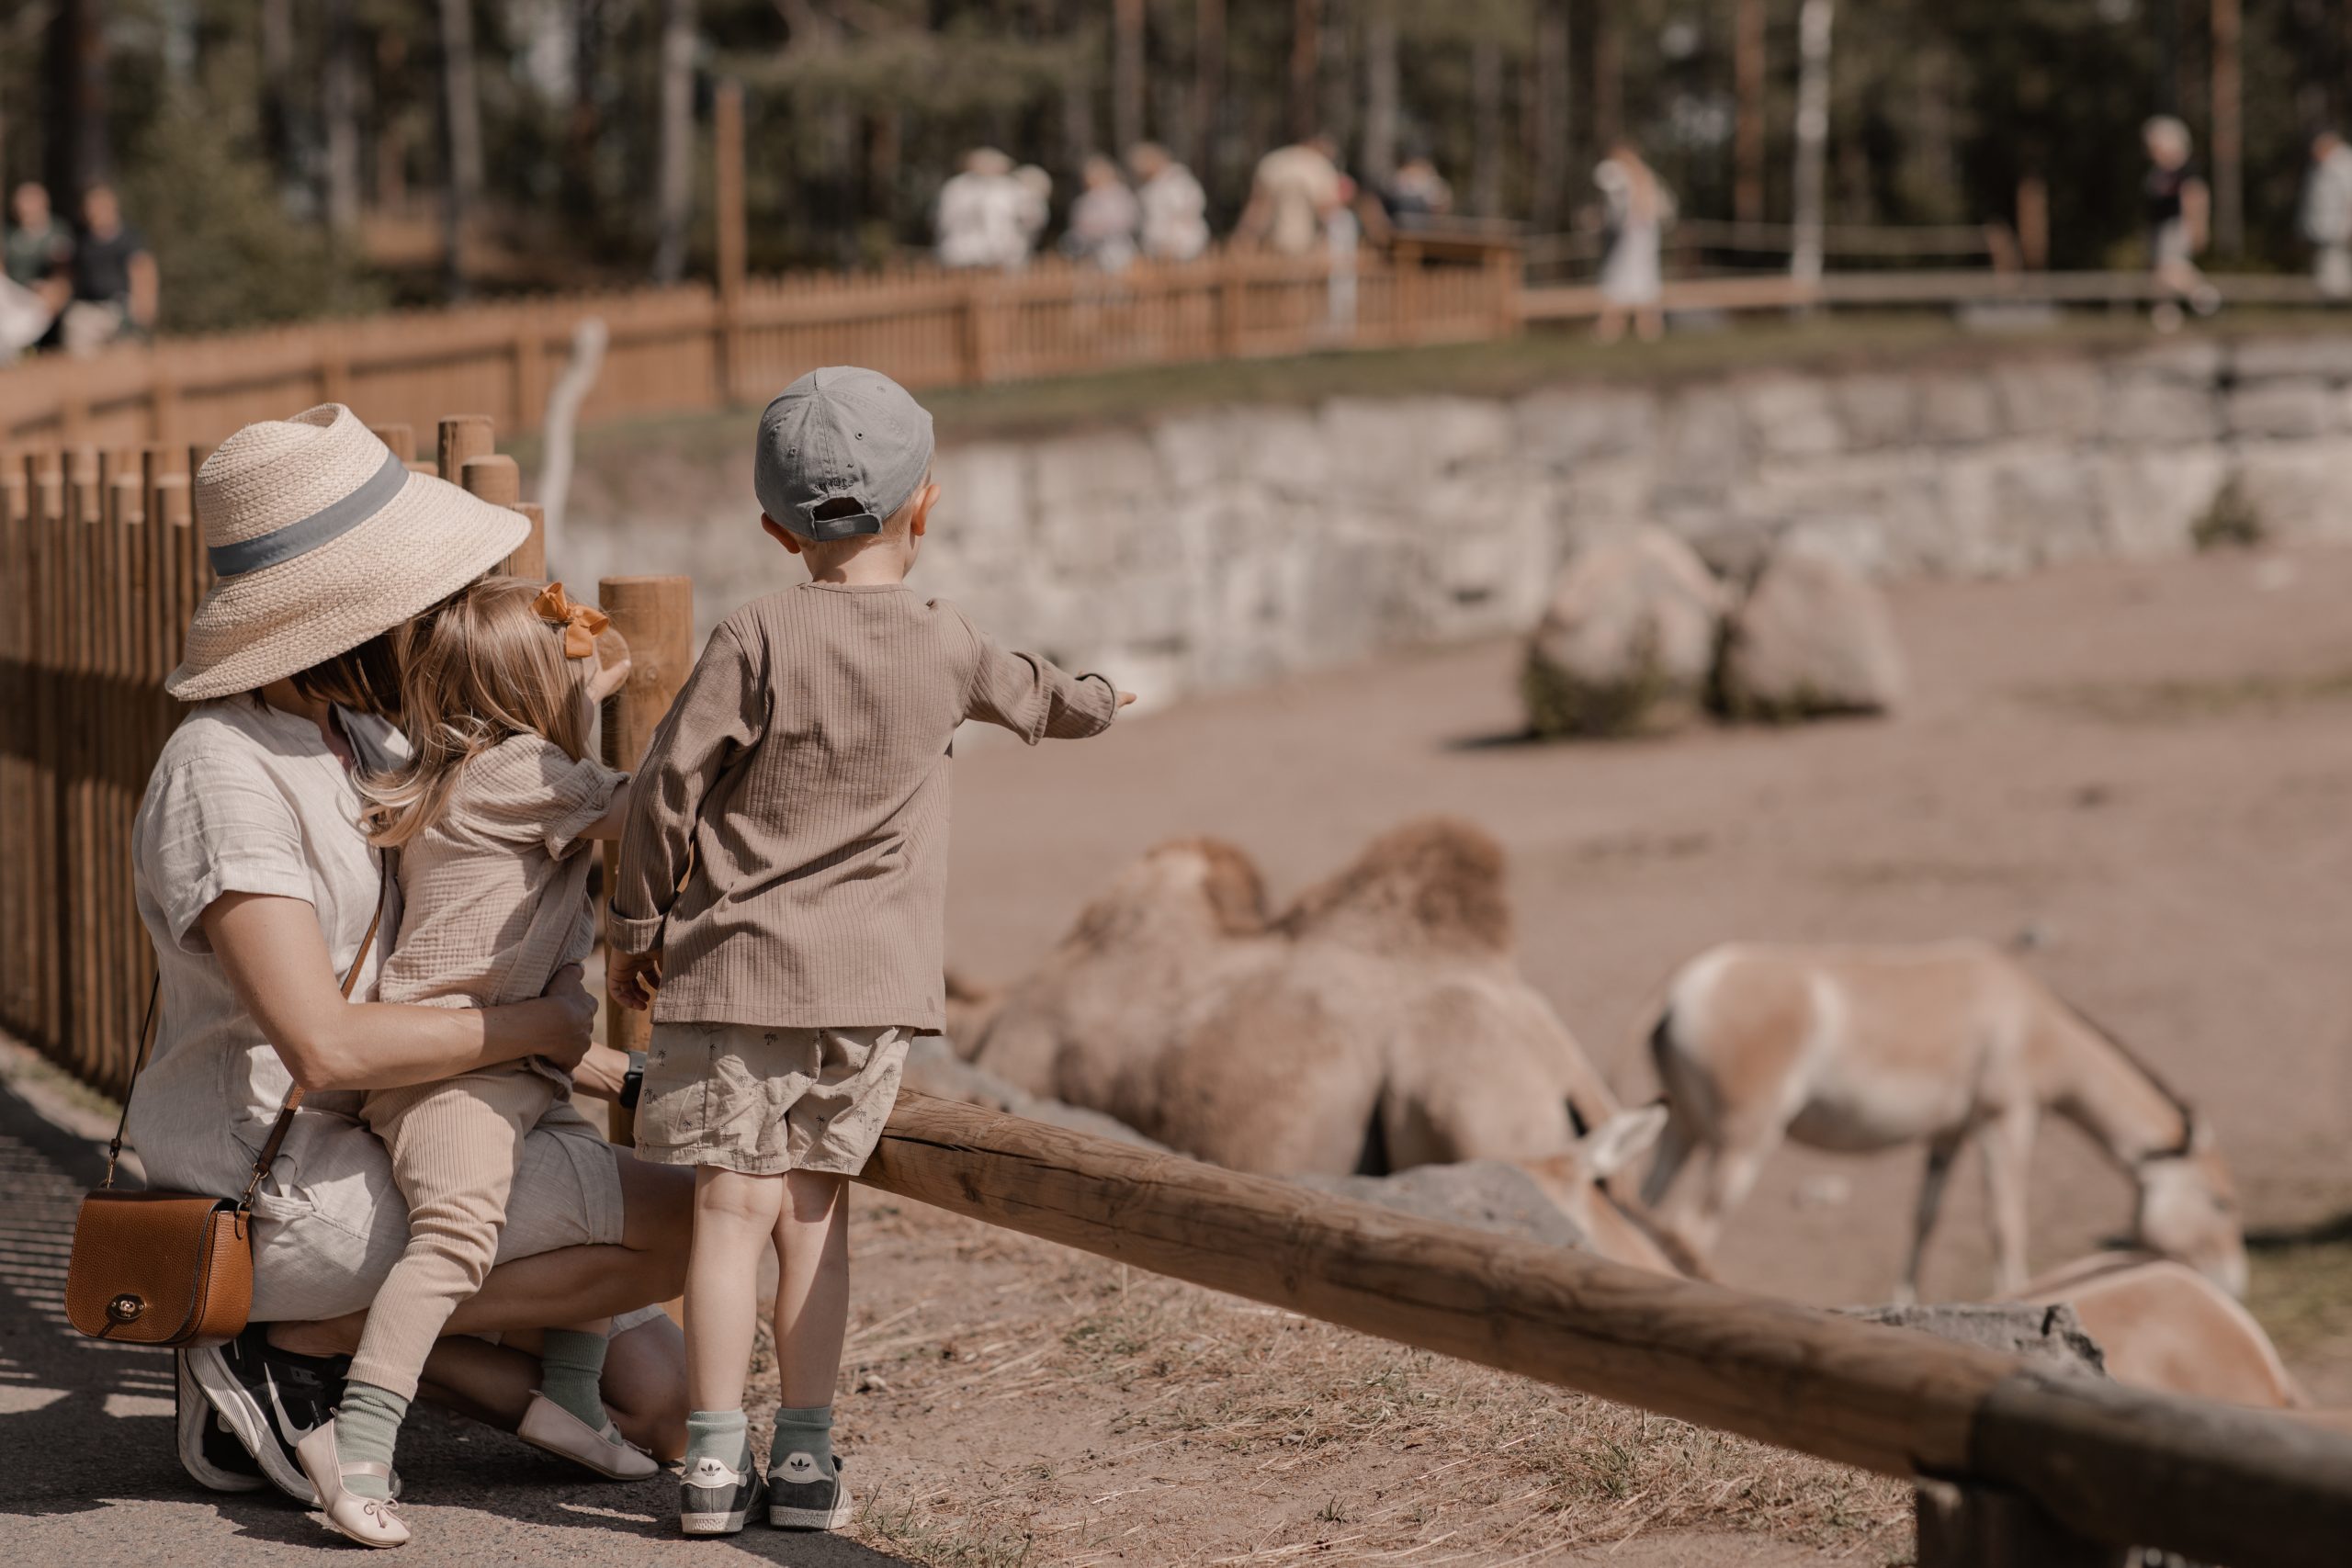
(1033, 699)
(719, 713)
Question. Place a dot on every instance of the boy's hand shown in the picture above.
(570, 1042)
(1126, 699)
(632, 979)
(609, 680)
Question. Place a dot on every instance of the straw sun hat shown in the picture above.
(321, 537)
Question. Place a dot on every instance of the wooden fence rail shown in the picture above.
(101, 565)
(680, 350)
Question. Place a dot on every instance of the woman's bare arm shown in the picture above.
(277, 959)
(615, 815)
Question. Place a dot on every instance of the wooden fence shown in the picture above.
(677, 351)
(100, 568)
(101, 565)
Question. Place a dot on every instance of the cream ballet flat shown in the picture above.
(547, 1424)
(370, 1521)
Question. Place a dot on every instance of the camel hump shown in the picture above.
(1205, 886)
(1432, 885)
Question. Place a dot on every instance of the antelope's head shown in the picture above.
(2188, 1210)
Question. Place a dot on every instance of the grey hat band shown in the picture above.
(323, 526)
(841, 525)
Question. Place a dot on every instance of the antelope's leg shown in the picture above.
(1733, 1165)
(1941, 1151)
(1673, 1148)
(2008, 1167)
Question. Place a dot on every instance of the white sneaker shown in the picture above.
(370, 1521)
(547, 1424)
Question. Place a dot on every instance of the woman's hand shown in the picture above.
(572, 1019)
(600, 1073)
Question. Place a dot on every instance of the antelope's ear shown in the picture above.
(1612, 1146)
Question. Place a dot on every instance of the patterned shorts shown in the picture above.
(763, 1101)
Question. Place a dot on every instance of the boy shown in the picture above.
(781, 886)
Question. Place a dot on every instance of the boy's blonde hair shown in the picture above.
(479, 668)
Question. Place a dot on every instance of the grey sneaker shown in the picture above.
(802, 1496)
(713, 1499)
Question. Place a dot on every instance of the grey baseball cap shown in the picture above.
(840, 433)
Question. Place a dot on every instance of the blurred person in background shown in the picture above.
(2327, 214)
(40, 249)
(1033, 207)
(1174, 208)
(1637, 210)
(1103, 219)
(2178, 206)
(1417, 193)
(115, 283)
(978, 221)
(1292, 198)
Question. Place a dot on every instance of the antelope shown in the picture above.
(1576, 1181)
(1857, 1049)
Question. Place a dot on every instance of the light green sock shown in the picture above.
(806, 1432)
(722, 1434)
(571, 1369)
(366, 1427)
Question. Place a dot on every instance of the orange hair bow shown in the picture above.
(581, 623)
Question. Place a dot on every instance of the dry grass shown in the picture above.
(2163, 702)
(1176, 1425)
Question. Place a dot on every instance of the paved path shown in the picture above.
(88, 1476)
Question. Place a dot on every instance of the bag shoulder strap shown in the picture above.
(278, 1129)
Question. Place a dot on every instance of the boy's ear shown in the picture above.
(925, 499)
(780, 533)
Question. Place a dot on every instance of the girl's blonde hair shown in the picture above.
(479, 668)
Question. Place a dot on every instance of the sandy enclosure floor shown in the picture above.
(2148, 766)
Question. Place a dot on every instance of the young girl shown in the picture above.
(489, 816)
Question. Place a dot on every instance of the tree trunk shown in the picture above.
(1126, 75)
(1812, 136)
(1379, 144)
(277, 90)
(583, 120)
(673, 191)
(1306, 61)
(1208, 89)
(461, 135)
(339, 106)
(1748, 133)
(2229, 142)
(77, 155)
(1549, 167)
(1487, 126)
(1608, 79)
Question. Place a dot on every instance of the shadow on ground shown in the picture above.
(92, 1473)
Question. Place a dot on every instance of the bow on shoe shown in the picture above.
(581, 623)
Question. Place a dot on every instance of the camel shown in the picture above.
(2162, 1325)
(1377, 1023)
(1857, 1049)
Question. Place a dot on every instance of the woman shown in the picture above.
(1639, 210)
(257, 889)
(2180, 209)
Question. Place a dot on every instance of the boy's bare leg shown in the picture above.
(734, 1216)
(813, 1287)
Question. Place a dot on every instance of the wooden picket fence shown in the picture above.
(101, 565)
(680, 350)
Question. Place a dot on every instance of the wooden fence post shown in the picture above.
(530, 557)
(494, 477)
(1967, 1524)
(728, 157)
(464, 436)
(657, 615)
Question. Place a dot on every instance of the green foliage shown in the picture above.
(228, 253)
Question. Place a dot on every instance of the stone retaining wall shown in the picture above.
(1224, 547)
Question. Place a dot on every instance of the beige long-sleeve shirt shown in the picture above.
(787, 844)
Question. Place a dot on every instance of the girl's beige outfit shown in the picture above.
(493, 900)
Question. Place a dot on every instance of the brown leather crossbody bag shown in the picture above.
(176, 1268)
